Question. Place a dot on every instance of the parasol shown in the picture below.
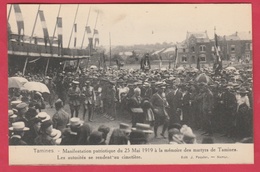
(36, 86)
(231, 68)
(22, 80)
(14, 83)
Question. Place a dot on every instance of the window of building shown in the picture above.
(184, 59)
(202, 58)
(193, 59)
(202, 48)
(192, 49)
(232, 48)
(247, 46)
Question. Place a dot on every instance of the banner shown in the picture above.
(88, 31)
(96, 35)
(44, 27)
(59, 31)
(75, 35)
(19, 19)
(218, 65)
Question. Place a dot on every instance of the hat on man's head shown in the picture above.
(11, 114)
(15, 103)
(55, 134)
(21, 106)
(75, 82)
(18, 126)
(43, 116)
(145, 128)
(75, 122)
(242, 90)
(125, 127)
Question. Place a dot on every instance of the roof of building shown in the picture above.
(200, 36)
(245, 35)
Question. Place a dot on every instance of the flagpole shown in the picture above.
(35, 23)
(56, 24)
(176, 57)
(51, 42)
(109, 50)
(85, 28)
(9, 13)
(73, 25)
(71, 32)
(26, 61)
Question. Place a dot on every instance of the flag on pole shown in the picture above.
(90, 40)
(75, 35)
(19, 19)
(44, 27)
(218, 65)
(59, 32)
(96, 37)
(88, 32)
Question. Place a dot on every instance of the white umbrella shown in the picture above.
(22, 80)
(180, 68)
(93, 67)
(36, 86)
(231, 68)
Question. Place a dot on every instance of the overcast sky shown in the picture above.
(140, 24)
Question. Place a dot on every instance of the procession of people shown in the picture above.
(163, 104)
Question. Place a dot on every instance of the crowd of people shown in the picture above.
(180, 101)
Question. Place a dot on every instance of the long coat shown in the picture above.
(174, 99)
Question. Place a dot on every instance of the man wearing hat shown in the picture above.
(61, 117)
(77, 133)
(174, 98)
(12, 117)
(18, 129)
(74, 98)
(229, 110)
(159, 105)
(207, 107)
(89, 96)
(135, 104)
(22, 109)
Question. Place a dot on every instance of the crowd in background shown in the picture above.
(180, 101)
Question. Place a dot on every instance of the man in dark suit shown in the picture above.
(186, 105)
(18, 129)
(135, 106)
(174, 98)
(159, 105)
(77, 134)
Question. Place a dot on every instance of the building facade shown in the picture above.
(198, 46)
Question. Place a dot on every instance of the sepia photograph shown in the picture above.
(129, 74)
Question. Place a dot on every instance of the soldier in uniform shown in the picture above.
(159, 105)
(74, 98)
(89, 96)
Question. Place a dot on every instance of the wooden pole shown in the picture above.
(71, 32)
(26, 61)
(85, 29)
(47, 65)
(9, 13)
(56, 25)
(73, 25)
(109, 49)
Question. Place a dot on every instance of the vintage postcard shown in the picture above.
(114, 84)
